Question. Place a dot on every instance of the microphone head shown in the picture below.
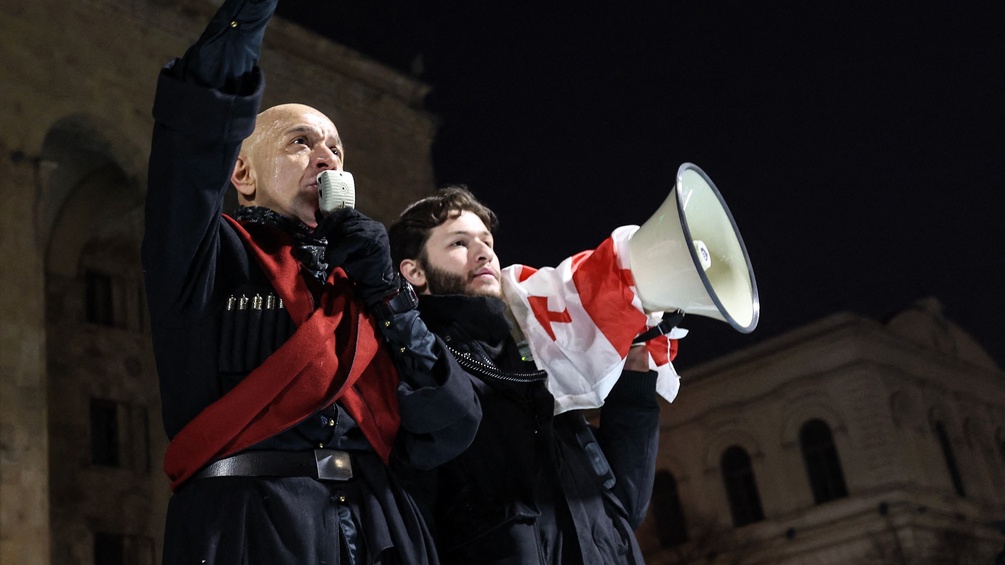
(336, 189)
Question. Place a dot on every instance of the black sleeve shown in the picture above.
(440, 412)
(413, 347)
(227, 52)
(629, 437)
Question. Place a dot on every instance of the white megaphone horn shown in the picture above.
(689, 256)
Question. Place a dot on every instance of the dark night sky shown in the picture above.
(859, 145)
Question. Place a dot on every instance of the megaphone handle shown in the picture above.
(669, 322)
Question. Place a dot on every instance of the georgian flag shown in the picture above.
(580, 319)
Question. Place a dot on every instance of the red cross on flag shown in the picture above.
(580, 319)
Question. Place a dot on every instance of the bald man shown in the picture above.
(295, 373)
(278, 164)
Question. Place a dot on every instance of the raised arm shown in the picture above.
(205, 107)
(629, 437)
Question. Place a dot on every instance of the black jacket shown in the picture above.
(534, 487)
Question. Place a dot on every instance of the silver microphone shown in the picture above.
(336, 189)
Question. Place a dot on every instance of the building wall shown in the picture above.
(880, 388)
(77, 82)
(24, 509)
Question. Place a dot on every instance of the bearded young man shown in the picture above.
(533, 487)
(286, 411)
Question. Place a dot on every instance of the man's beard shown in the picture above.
(442, 282)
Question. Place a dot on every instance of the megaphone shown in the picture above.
(689, 256)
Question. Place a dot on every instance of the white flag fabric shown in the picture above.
(580, 319)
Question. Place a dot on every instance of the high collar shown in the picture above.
(481, 317)
(308, 246)
(269, 217)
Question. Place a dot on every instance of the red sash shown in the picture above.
(335, 354)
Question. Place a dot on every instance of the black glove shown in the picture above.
(229, 48)
(359, 245)
(667, 324)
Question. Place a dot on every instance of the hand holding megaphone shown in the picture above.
(336, 190)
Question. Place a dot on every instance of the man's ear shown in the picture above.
(414, 274)
(243, 178)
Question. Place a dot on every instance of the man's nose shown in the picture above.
(325, 158)
(484, 252)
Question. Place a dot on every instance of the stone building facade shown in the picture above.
(81, 438)
(846, 441)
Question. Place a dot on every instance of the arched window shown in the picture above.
(670, 525)
(947, 454)
(822, 464)
(741, 488)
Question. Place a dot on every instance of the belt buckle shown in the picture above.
(333, 465)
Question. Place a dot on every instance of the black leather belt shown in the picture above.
(321, 464)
